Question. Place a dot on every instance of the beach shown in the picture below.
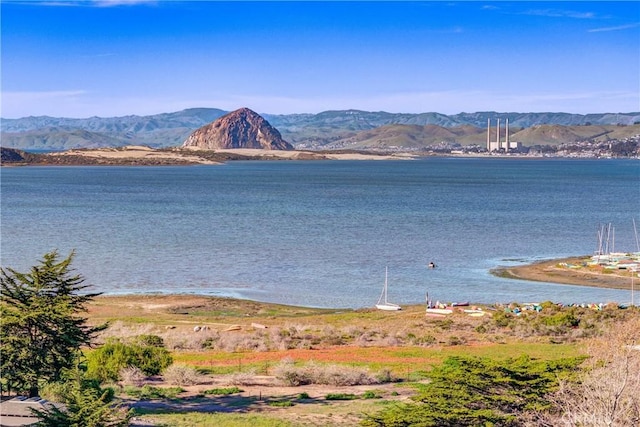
(569, 271)
(140, 155)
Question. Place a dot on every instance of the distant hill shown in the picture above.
(408, 137)
(329, 128)
(416, 137)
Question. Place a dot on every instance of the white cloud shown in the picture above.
(112, 3)
(618, 28)
(559, 13)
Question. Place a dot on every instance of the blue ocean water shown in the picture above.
(320, 233)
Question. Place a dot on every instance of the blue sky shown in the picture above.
(116, 58)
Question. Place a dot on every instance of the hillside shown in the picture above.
(410, 137)
(416, 137)
(301, 130)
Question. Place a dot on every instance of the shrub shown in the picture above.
(106, 362)
(243, 378)
(371, 394)
(151, 392)
(150, 340)
(340, 396)
(502, 319)
(281, 403)
(132, 375)
(182, 375)
(291, 376)
(224, 391)
(313, 373)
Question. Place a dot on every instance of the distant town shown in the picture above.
(614, 148)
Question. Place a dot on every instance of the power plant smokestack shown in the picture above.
(488, 133)
(506, 144)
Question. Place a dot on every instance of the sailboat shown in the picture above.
(383, 303)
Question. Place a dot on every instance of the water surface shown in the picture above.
(320, 233)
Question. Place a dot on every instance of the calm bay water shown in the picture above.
(321, 233)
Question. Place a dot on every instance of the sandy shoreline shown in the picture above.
(557, 271)
(135, 154)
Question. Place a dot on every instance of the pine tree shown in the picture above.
(40, 329)
(85, 405)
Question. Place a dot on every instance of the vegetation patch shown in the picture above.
(341, 396)
(281, 403)
(223, 391)
(148, 392)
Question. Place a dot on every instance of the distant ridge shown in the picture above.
(301, 130)
(242, 128)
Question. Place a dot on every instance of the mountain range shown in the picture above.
(329, 129)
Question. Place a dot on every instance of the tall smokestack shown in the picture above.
(506, 147)
(488, 137)
(498, 135)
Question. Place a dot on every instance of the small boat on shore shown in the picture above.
(383, 303)
(460, 304)
(441, 311)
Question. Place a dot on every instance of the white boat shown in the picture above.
(383, 303)
(439, 311)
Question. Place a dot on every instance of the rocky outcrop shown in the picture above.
(11, 155)
(242, 128)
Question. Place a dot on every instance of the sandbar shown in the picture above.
(141, 155)
(571, 271)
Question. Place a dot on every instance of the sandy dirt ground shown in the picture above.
(257, 398)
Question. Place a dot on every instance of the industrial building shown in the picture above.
(498, 145)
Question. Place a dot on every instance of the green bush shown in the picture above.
(281, 403)
(150, 340)
(566, 319)
(106, 362)
(223, 391)
(371, 394)
(151, 392)
(340, 396)
(502, 319)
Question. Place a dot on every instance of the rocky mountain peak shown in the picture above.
(242, 128)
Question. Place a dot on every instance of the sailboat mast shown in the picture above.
(386, 271)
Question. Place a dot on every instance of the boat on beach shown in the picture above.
(383, 303)
(439, 311)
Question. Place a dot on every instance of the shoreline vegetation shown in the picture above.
(260, 351)
(193, 360)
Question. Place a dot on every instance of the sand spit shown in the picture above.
(569, 271)
(135, 153)
(141, 155)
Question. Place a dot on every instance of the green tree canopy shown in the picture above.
(85, 405)
(40, 327)
(472, 391)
